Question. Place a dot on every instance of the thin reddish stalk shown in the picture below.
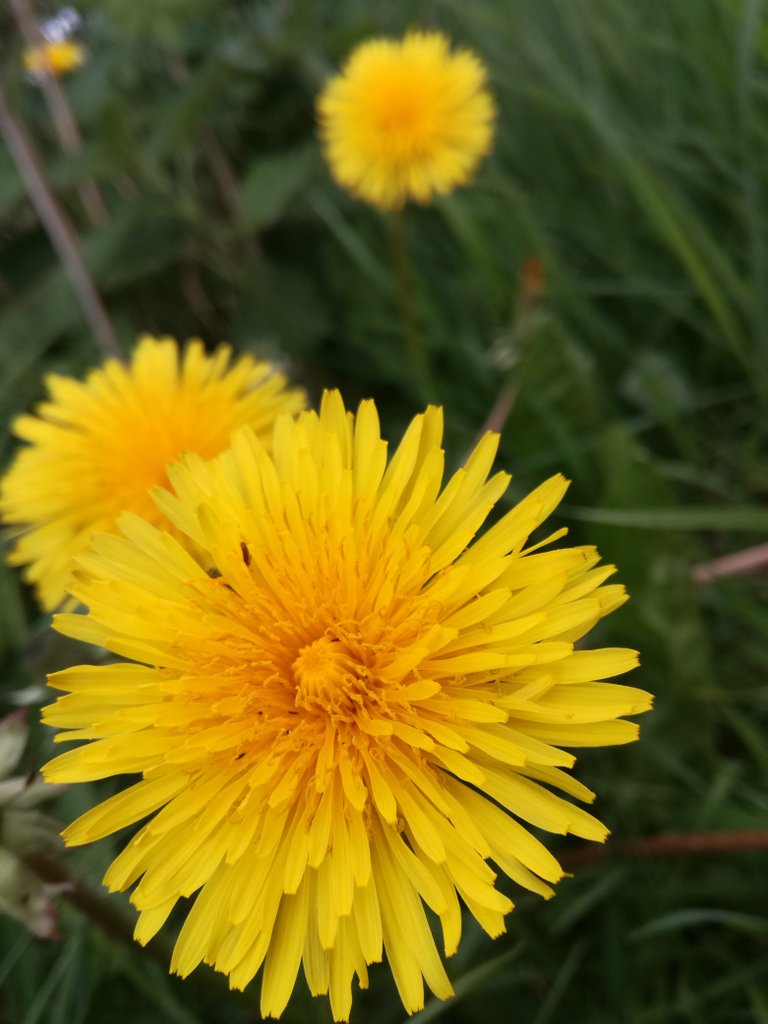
(739, 563)
(500, 412)
(530, 292)
(57, 226)
(62, 115)
(668, 844)
(92, 904)
(414, 340)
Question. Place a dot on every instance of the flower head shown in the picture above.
(95, 447)
(359, 716)
(54, 58)
(406, 120)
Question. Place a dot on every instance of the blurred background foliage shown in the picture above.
(607, 271)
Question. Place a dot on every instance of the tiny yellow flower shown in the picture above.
(55, 58)
(406, 120)
(95, 447)
(364, 710)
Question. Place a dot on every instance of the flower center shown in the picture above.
(400, 114)
(328, 678)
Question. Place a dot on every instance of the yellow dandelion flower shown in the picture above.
(95, 447)
(54, 58)
(361, 715)
(406, 120)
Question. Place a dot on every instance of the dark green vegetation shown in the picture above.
(632, 160)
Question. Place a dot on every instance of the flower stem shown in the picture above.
(58, 228)
(500, 411)
(414, 340)
(99, 910)
(736, 564)
(669, 844)
(530, 292)
(62, 115)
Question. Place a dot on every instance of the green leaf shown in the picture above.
(692, 917)
(730, 517)
(468, 983)
(272, 184)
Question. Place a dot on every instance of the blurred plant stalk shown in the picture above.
(219, 165)
(32, 869)
(668, 844)
(414, 339)
(508, 349)
(62, 116)
(60, 231)
(56, 876)
(25, 832)
(225, 180)
(739, 563)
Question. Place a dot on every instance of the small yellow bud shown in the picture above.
(58, 58)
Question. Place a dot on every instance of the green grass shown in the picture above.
(632, 159)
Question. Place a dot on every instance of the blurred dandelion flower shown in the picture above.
(406, 119)
(95, 447)
(53, 58)
(350, 721)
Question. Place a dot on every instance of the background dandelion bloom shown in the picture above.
(95, 447)
(57, 57)
(406, 119)
(353, 719)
